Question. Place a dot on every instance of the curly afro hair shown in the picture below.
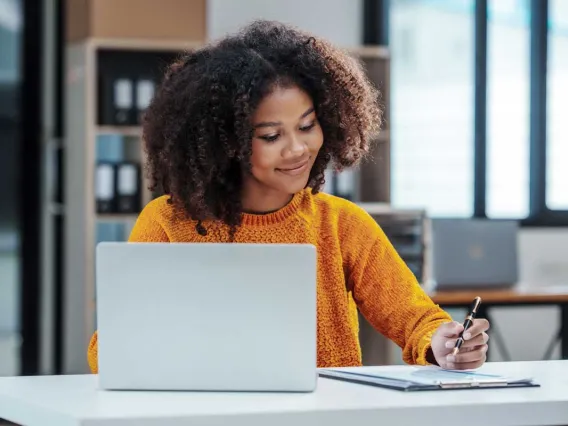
(198, 131)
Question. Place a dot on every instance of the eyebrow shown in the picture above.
(278, 123)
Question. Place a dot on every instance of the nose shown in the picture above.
(295, 147)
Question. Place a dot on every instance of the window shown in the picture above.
(478, 108)
(557, 107)
(432, 72)
(508, 91)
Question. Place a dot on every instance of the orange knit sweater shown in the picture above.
(358, 268)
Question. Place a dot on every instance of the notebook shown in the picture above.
(406, 378)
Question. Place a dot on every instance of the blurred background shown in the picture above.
(475, 144)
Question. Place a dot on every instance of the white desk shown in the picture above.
(74, 400)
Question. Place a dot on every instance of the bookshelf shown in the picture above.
(85, 227)
(370, 182)
(373, 176)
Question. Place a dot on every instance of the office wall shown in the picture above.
(544, 255)
(336, 20)
(543, 263)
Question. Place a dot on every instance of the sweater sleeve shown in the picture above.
(386, 292)
(146, 229)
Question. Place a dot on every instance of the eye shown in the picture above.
(308, 127)
(270, 138)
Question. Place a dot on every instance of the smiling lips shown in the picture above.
(296, 169)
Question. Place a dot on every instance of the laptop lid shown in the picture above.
(182, 316)
(474, 253)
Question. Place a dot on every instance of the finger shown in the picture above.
(475, 348)
(479, 326)
(468, 356)
(478, 340)
(465, 365)
(464, 349)
(450, 329)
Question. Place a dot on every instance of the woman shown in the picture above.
(238, 137)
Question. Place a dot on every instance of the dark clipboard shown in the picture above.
(384, 381)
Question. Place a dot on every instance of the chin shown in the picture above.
(294, 188)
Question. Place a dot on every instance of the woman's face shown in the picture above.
(286, 140)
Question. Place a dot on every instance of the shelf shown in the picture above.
(370, 51)
(114, 218)
(135, 131)
(144, 44)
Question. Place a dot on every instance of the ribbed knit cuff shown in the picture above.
(423, 346)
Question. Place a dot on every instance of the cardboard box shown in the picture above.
(139, 19)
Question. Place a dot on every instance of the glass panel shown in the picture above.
(508, 85)
(10, 42)
(557, 129)
(432, 75)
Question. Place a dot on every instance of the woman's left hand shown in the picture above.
(473, 351)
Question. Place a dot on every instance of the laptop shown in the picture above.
(206, 317)
(473, 253)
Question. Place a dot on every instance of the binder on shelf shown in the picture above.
(105, 187)
(116, 101)
(144, 93)
(128, 192)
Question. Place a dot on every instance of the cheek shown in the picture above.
(316, 140)
(264, 156)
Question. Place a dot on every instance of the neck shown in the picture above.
(259, 200)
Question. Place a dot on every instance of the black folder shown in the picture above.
(128, 183)
(116, 100)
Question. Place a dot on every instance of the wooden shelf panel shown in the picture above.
(135, 131)
(116, 218)
(144, 44)
(370, 51)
